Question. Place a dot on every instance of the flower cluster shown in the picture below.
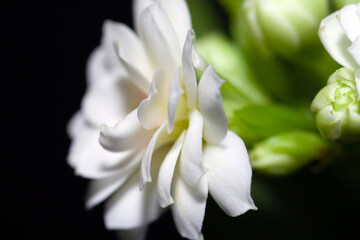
(172, 135)
(337, 105)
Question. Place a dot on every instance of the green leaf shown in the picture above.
(254, 122)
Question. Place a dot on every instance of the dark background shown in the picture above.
(44, 48)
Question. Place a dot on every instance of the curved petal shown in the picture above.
(349, 19)
(229, 174)
(96, 66)
(152, 110)
(191, 165)
(179, 15)
(189, 207)
(110, 98)
(101, 189)
(138, 233)
(188, 71)
(138, 7)
(127, 134)
(335, 41)
(211, 106)
(166, 172)
(90, 160)
(198, 61)
(354, 50)
(110, 37)
(173, 100)
(131, 208)
(131, 50)
(159, 38)
(146, 162)
(74, 126)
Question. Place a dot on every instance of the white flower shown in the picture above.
(176, 142)
(340, 34)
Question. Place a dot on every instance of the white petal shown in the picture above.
(131, 50)
(357, 81)
(146, 162)
(191, 165)
(159, 38)
(229, 174)
(198, 61)
(189, 207)
(101, 189)
(96, 65)
(74, 125)
(152, 110)
(166, 172)
(349, 19)
(188, 71)
(179, 15)
(138, 7)
(211, 106)
(90, 160)
(131, 208)
(335, 41)
(354, 50)
(110, 98)
(127, 134)
(133, 234)
(136, 76)
(110, 37)
(173, 100)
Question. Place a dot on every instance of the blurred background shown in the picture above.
(44, 49)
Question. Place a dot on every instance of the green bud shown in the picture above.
(282, 26)
(286, 152)
(337, 108)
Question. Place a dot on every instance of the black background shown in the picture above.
(44, 48)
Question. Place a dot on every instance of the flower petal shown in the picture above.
(188, 71)
(173, 100)
(229, 174)
(75, 124)
(138, 7)
(191, 165)
(166, 172)
(110, 37)
(101, 189)
(211, 106)
(179, 15)
(335, 41)
(349, 19)
(354, 50)
(189, 207)
(127, 134)
(131, 208)
(159, 38)
(198, 61)
(110, 98)
(90, 160)
(152, 110)
(131, 50)
(146, 162)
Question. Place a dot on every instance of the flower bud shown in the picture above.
(281, 26)
(286, 152)
(337, 108)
